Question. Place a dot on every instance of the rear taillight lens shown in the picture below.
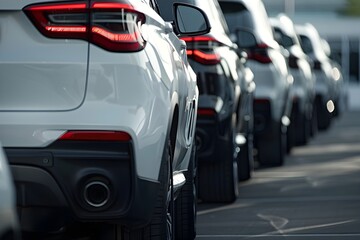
(201, 49)
(260, 54)
(206, 112)
(96, 136)
(261, 101)
(114, 26)
(203, 57)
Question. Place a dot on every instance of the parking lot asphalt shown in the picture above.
(315, 195)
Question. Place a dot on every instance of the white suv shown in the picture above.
(97, 116)
(248, 20)
(9, 224)
(325, 87)
(303, 117)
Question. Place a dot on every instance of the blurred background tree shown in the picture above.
(352, 8)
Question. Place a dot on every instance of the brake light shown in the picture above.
(206, 112)
(260, 54)
(95, 136)
(114, 26)
(200, 48)
(203, 57)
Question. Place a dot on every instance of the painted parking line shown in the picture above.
(286, 235)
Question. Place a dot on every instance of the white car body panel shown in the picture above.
(304, 79)
(85, 89)
(325, 85)
(272, 79)
(58, 78)
(8, 215)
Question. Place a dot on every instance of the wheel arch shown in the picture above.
(173, 121)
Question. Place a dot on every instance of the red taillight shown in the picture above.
(200, 48)
(261, 101)
(114, 26)
(204, 57)
(96, 136)
(260, 54)
(68, 20)
(206, 112)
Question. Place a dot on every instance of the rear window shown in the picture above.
(306, 44)
(283, 39)
(236, 16)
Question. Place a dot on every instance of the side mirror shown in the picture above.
(245, 38)
(190, 20)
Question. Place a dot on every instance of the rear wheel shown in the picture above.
(314, 125)
(271, 151)
(218, 178)
(291, 132)
(246, 160)
(323, 115)
(303, 129)
(185, 204)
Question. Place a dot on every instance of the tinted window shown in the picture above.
(236, 16)
(306, 44)
(283, 39)
(255, 18)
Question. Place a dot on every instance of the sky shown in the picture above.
(306, 5)
(323, 14)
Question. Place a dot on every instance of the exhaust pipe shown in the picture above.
(96, 193)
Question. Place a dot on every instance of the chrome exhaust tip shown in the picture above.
(96, 193)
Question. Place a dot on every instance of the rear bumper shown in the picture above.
(56, 186)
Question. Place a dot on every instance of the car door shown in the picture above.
(172, 66)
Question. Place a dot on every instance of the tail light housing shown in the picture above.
(260, 54)
(200, 49)
(114, 26)
(206, 112)
(85, 135)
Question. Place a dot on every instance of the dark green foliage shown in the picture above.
(352, 8)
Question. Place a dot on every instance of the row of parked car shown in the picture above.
(299, 88)
(117, 117)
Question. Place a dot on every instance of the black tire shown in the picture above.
(271, 152)
(314, 125)
(303, 129)
(186, 203)
(217, 182)
(323, 116)
(246, 160)
(291, 133)
(218, 178)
